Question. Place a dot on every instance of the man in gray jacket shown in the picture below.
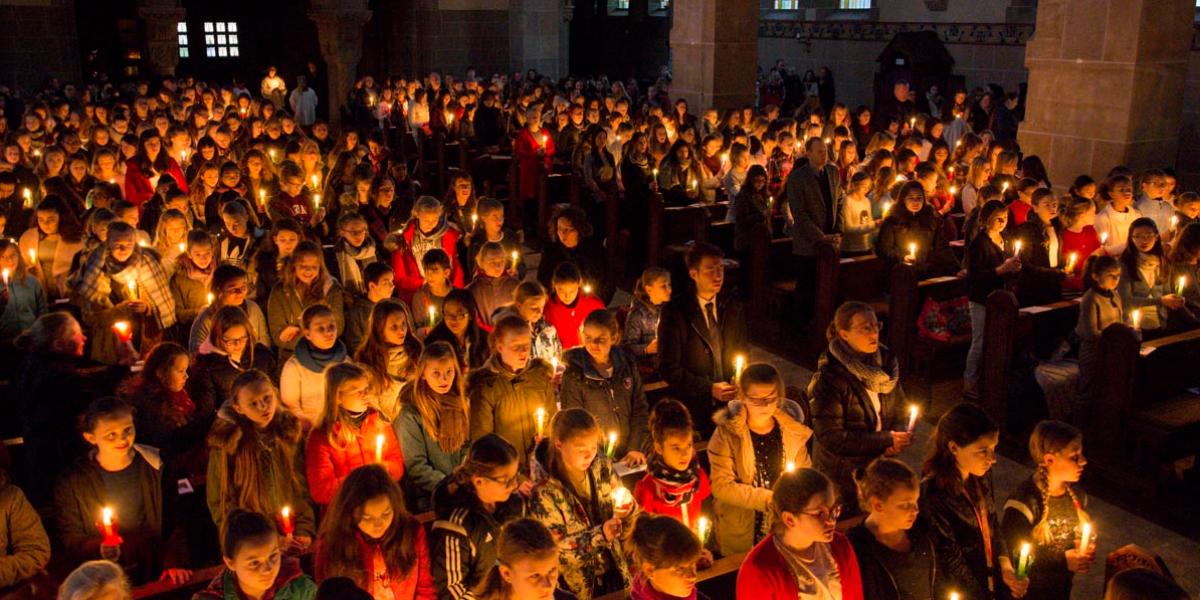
(812, 200)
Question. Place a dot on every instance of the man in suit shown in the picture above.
(700, 333)
(814, 205)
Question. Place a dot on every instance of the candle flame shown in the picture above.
(789, 467)
(286, 512)
(106, 516)
(702, 529)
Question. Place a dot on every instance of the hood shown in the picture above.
(579, 358)
(149, 454)
(734, 414)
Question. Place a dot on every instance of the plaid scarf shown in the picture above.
(674, 487)
(103, 283)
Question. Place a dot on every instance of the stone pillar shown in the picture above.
(714, 52)
(1112, 97)
(340, 34)
(162, 38)
(535, 36)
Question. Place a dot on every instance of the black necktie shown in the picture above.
(714, 336)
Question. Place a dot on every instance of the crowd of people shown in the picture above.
(237, 336)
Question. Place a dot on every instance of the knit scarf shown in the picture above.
(348, 258)
(196, 273)
(674, 487)
(316, 360)
(181, 404)
(869, 369)
(642, 590)
(453, 427)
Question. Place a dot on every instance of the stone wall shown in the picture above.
(1188, 163)
(40, 40)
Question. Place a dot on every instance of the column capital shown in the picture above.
(162, 43)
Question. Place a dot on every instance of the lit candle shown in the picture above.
(951, 172)
(912, 122)
(379, 448)
(887, 207)
(725, 158)
(539, 416)
(1085, 538)
(474, 220)
(702, 529)
(1181, 285)
(611, 446)
(621, 497)
(183, 156)
(432, 315)
(655, 171)
(1174, 221)
(953, 190)
(271, 153)
(955, 595)
(1017, 248)
(449, 118)
(912, 417)
(554, 364)
(182, 247)
(211, 298)
(143, 244)
(122, 329)
(262, 198)
(285, 521)
(1023, 560)
(4, 273)
(544, 140)
(694, 184)
(587, 289)
(27, 195)
(1004, 188)
(108, 527)
(912, 250)
(314, 180)
(32, 257)
(516, 258)
(37, 152)
(739, 364)
(1136, 318)
(770, 201)
(1071, 260)
(1104, 238)
(828, 141)
(316, 202)
(957, 143)
(789, 466)
(133, 290)
(898, 179)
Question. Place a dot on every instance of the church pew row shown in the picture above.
(917, 354)
(1148, 409)
(1009, 332)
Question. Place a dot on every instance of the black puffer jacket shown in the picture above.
(212, 375)
(957, 538)
(843, 421)
(618, 402)
(879, 582)
(462, 541)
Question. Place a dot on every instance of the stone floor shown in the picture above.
(1116, 527)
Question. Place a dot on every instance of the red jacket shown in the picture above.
(137, 186)
(327, 466)
(765, 573)
(404, 263)
(418, 584)
(525, 147)
(568, 319)
(1020, 212)
(649, 501)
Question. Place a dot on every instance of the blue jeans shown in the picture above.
(978, 318)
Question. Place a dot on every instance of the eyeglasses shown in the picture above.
(237, 341)
(507, 482)
(825, 515)
(762, 402)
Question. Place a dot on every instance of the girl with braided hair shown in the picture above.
(1048, 512)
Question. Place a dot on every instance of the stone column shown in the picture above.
(162, 38)
(534, 34)
(340, 34)
(1111, 97)
(714, 52)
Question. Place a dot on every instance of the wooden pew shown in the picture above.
(908, 293)
(1148, 412)
(1009, 331)
(840, 279)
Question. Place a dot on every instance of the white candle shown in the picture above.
(516, 258)
(262, 198)
(953, 190)
(912, 417)
(702, 529)
(912, 250)
(432, 315)
(739, 364)
(182, 247)
(317, 201)
(1071, 260)
(887, 207)
(1136, 318)
(379, 448)
(621, 497)
(27, 195)
(32, 257)
(1182, 285)
(1017, 248)
(1174, 221)
(314, 180)
(132, 285)
(210, 298)
(554, 364)
(611, 447)
(1104, 238)
(587, 289)
(271, 153)
(1085, 538)
(954, 595)
(1004, 188)
(474, 220)
(540, 417)
(5, 275)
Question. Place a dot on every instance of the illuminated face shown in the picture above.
(112, 436)
(531, 309)
(355, 233)
(257, 402)
(497, 486)
(121, 246)
(308, 268)
(676, 450)
(1143, 238)
(201, 255)
(567, 234)
(659, 291)
(47, 221)
(898, 511)
(234, 339)
(579, 451)
(977, 457)
(375, 517)
(863, 334)
(514, 349)
(321, 332)
(566, 291)
(457, 317)
(395, 329)
(175, 374)
(256, 565)
(709, 276)
(677, 581)
(818, 520)
(286, 241)
(598, 341)
(1067, 464)
(493, 264)
(352, 395)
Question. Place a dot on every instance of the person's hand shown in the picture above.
(909, 259)
(1011, 264)
(652, 347)
(901, 440)
(176, 576)
(724, 391)
(834, 239)
(34, 269)
(612, 529)
(127, 355)
(525, 489)
(633, 458)
(705, 561)
(301, 543)
(1173, 301)
(289, 334)
(1019, 586)
(541, 151)
(1080, 562)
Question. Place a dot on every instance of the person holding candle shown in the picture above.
(491, 229)
(1146, 283)
(433, 292)
(471, 506)
(305, 282)
(1187, 211)
(665, 555)
(758, 435)
(170, 238)
(460, 204)
(804, 556)
(143, 171)
(427, 230)
(126, 479)
(369, 536)
(652, 292)
(529, 303)
(255, 564)
(293, 200)
(569, 304)
(190, 285)
(458, 325)
(22, 299)
(390, 352)
(978, 176)
(349, 434)
(989, 268)
(915, 225)
(1115, 218)
(1153, 200)
(433, 423)
(270, 261)
(603, 379)
(582, 503)
(527, 565)
(508, 389)
(302, 384)
(858, 226)
(493, 284)
(859, 412)
(26, 551)
(1100, 307)
(972, 553)
(1042, 265)
(1185, 256)
(893, 544)
(571, 240)
(49, 247)
(255, 461)
(1079, 239)
(533, 150)
(674, 484)
(1047, 510)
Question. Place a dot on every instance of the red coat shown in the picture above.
(765, 573)
(525, 149)
(328, 466)
(1020, 212)
(417, 585)
(404, 263)
(568, 319)
(649, 501)
(137, 186)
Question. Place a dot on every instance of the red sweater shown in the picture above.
(525, 148)
(404, 263)
(765, 573)
(649, 501)
(1020, 212)
(137, 185)
(1083, 244)
(328, 466)
(568, 319)
(417, 584)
